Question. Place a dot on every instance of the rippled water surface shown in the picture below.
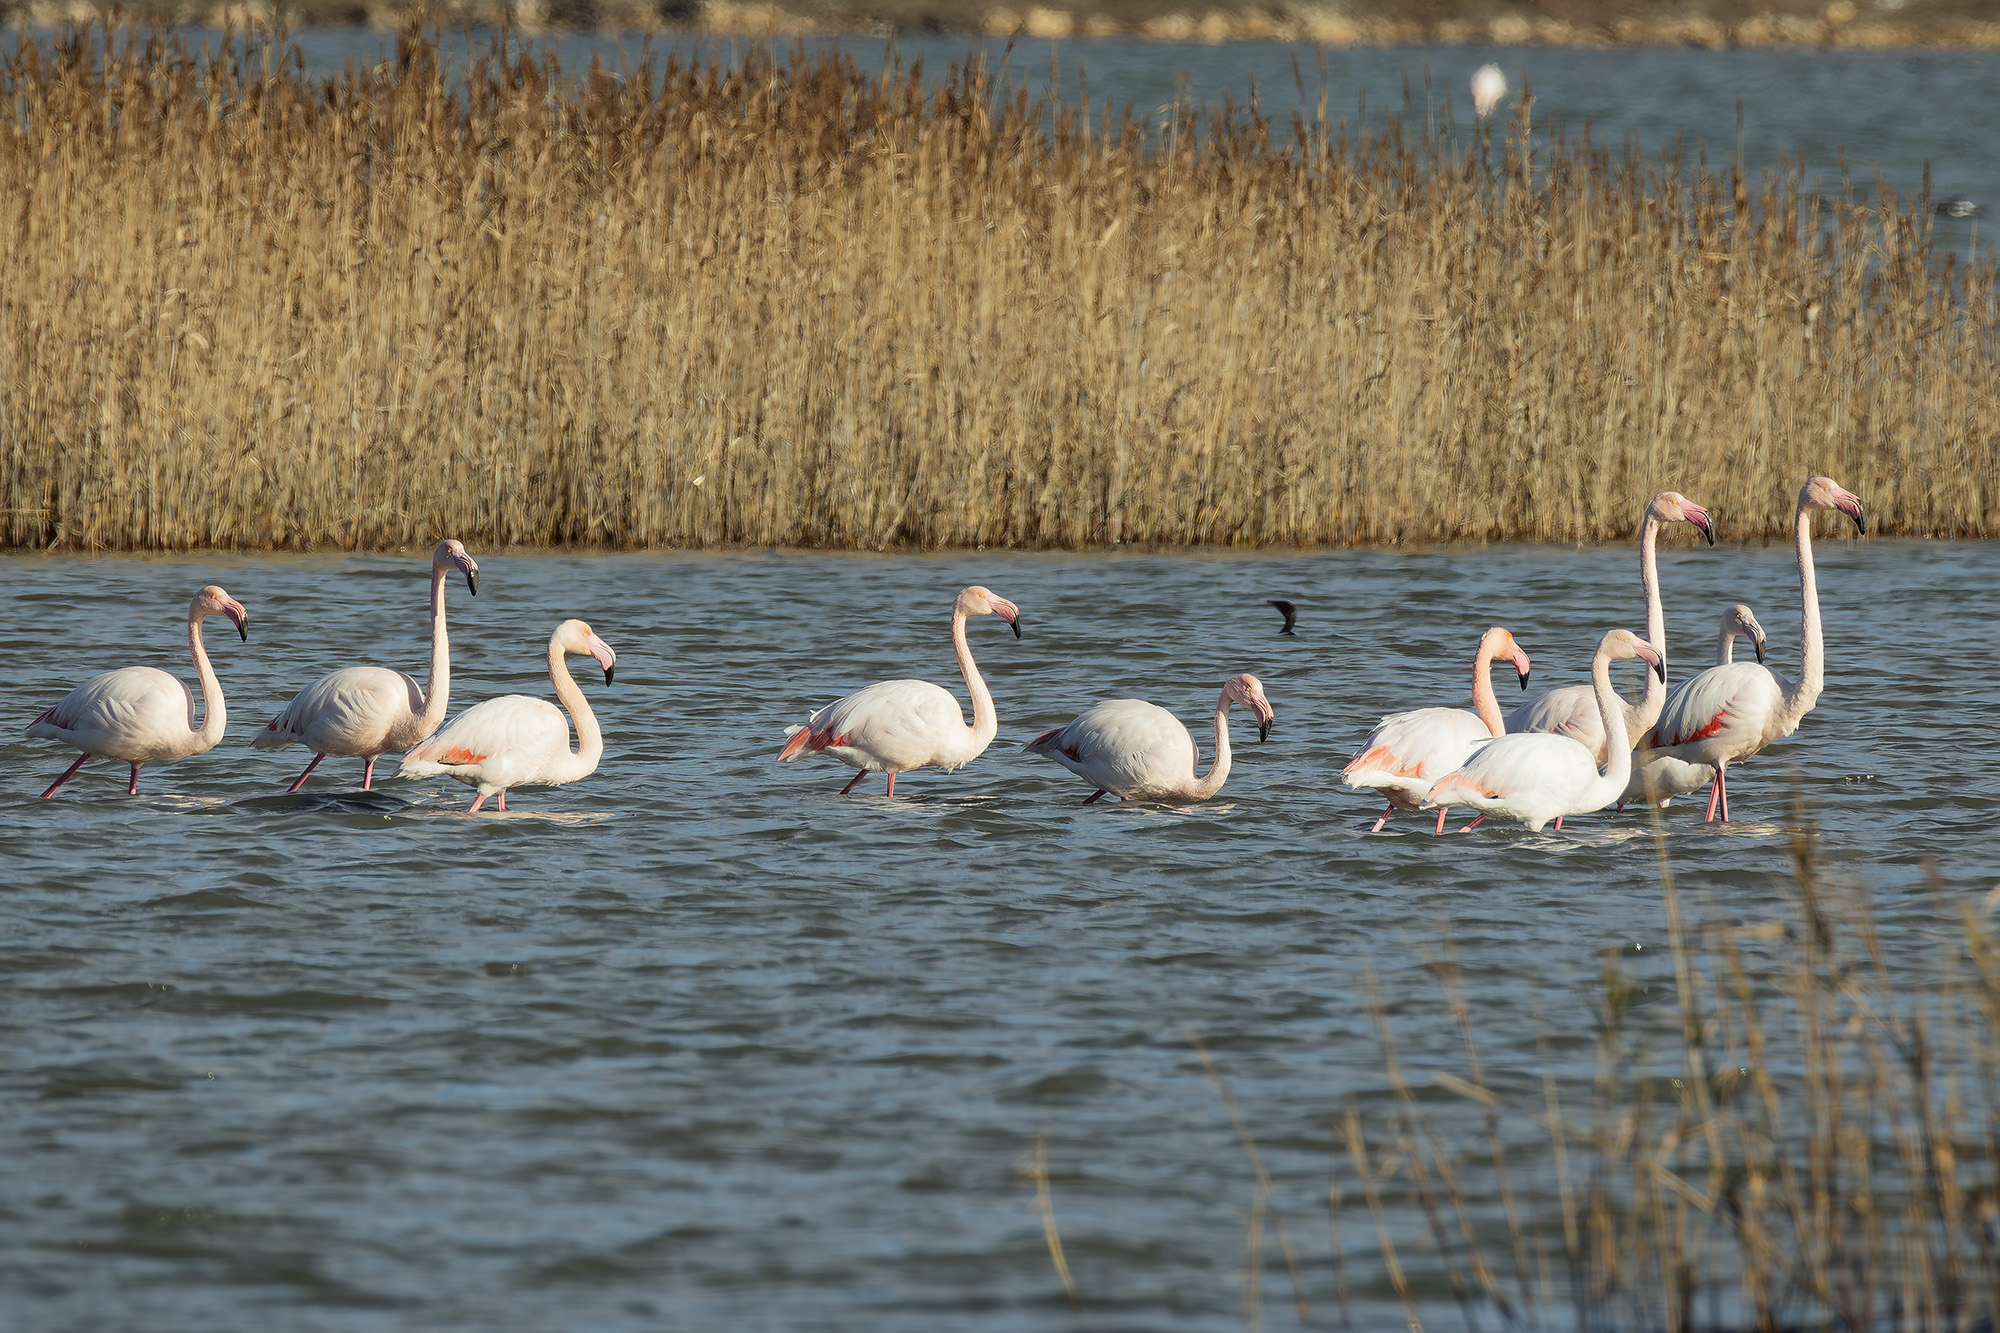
(698, 1043)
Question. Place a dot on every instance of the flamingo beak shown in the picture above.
(1850, 505)
(472, 580)
(1700, 518)
(601, 650)
(1521, 667)
(242, 620)
(1008, 612)
(1657, 662)
(1758, 642)
(1264, 730)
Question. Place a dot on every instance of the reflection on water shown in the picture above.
(697, 1041)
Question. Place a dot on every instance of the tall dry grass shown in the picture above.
(789, 302)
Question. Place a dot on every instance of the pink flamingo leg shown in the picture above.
(503, 800)
(1559, 823)
(80, 760)
(1473, 825)
(1092, 798)
(133, 790)
(1714, 796)
(477, 801)
(1722, 786)
(303, 776)
(856, 782)
(892, 786)
(1443, 810)
(1383, 820)
(368, 777)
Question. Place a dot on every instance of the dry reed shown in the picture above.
(790, 303)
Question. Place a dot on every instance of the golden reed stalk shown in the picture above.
(791, 303)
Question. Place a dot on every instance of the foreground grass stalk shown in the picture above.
(785, 301)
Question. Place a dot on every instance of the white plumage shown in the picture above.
(1140, 751)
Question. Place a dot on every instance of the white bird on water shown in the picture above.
(1489, 85)
(1140, 751)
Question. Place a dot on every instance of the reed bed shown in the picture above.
(790, 302)
(1797, 1130)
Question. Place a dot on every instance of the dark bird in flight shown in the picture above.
(1289, 612)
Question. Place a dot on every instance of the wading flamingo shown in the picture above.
(1407, 752)
(1140, 751)
(1572, 710)
(1743, 707)
(1533, 777)
(895, 726)
(366, 712)
(518, 740)
(1660, 779)
(141, 714)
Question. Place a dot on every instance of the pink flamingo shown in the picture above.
(1140, 751)
(1739, 709)
(895, 726)
(518, 740)
(1534, 777)
(1407, 752)
(141, 714)
(1659, 779)
(1572, 710)
(366, 712)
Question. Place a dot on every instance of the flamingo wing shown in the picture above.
(1722, 709)
(1570, 711)
(896, 725)
(1547, 770)
(1122, 745)
(131, 705)
(345, 712)
(1424, 743)
(516, 733)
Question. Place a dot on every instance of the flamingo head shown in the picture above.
(573, 636)
(213, 601)
(1247, 690)
(450, 555)
(1673, 507)
(1620, 644)
(1739, 620)
(1497, 643)
(978, 601)
(1826, 493)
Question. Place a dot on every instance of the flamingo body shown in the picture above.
(1408, 752)
(892, 726)
(1140, 751)
(138, 714)
(1529, 778)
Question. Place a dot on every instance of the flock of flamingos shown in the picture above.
(1567, 752)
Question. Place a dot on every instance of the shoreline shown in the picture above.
(1839, 26)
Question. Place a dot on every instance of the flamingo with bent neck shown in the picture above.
(141, 714)
(366, 712)
(1533, 777)
(1659, 779)
(1140, 751)
(895, 726)
(1407, 752)
(518, 740)
(1741, 708)
(1572, 710)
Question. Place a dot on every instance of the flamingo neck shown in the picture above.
(1484, 702)
(589, 740)
(1655, 697)
(1218, 771)
(1800, 695)
(1617, 770)
(215, 717)
(985, 722)
(437, 690)
(1725, 652)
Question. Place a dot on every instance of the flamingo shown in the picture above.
(1407, 752)
(895, 726)
(1489, 85)
(1741, 708)
(518, 740)
(1660, 779)
(1534, 777)
(366, 712)
(1572, 710)
(1140, 751)
(142, 714)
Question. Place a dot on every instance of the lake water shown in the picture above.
(698, 1043)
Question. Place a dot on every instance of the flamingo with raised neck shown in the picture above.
(518, 740)
(143, 715)
(1741, 708)
(1407, 752)
(1139, 751)
(366, 712)
(897, 726)
(1659, 778)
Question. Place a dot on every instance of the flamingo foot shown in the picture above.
(368, 775)
(133, 790)
(477, 801)
(856, 782)
(80, 760)
(1473, 825)
(1092, 798)
(303, 776)
(892, 786)
(1383, 820)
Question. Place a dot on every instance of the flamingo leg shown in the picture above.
(1559, 823)
(1092, 798)
(477, 801)
(503, 799)
(368, 774)
(1383, 820)
(1473, 825)
(892, 786)
(1722, 786)
(1714, 796)
(1443, 810)
(855, 783)
(303, 776)
(65, 776)
(133, 790)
